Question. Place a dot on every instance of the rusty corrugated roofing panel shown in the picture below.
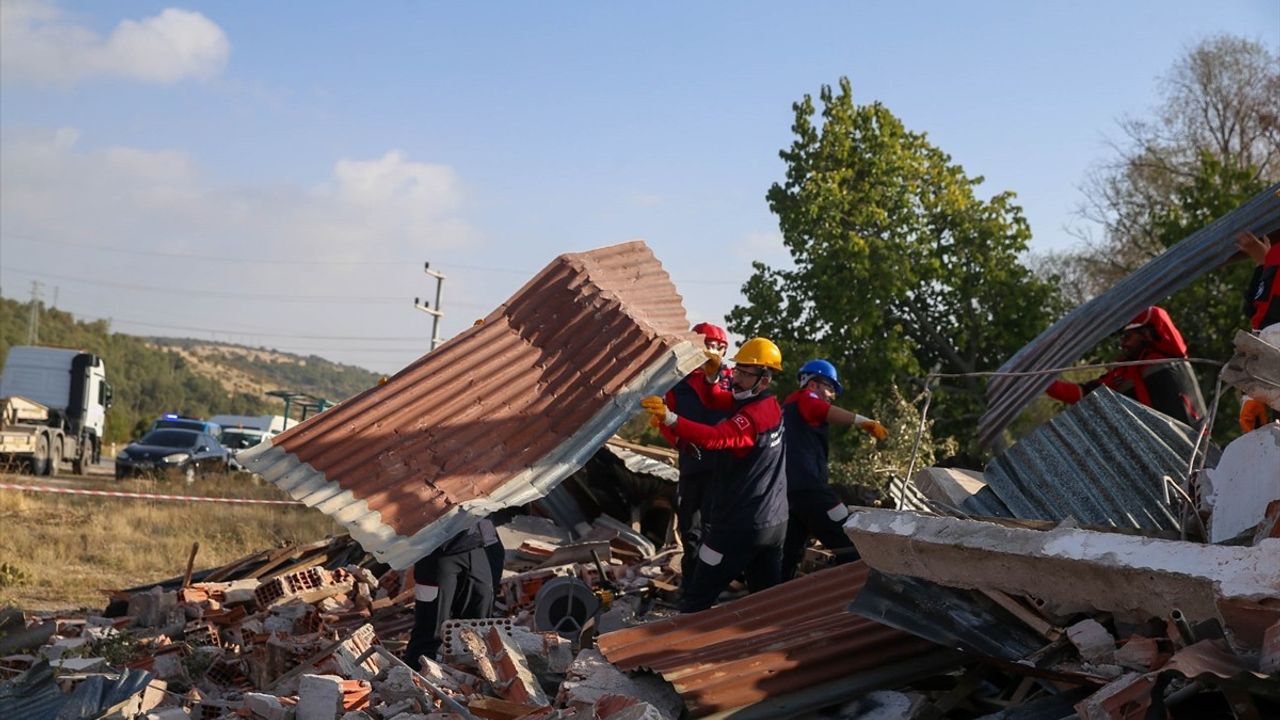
(496, 416)
(785, 639)
(1071, 337)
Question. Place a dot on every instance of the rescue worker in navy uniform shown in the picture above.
(1170, 388)
(454, 581)
(815, 510)
(694, 398)
(746, 505)
(1262, 307)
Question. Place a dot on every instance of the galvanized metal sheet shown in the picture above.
(1100, 462)
(1074, 335)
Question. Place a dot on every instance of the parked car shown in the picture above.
(185, 452)
(236, 440)
(177, 422)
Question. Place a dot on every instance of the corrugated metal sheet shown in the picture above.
(1083, 328)
(1100, 462)
(498, 415)
(783, 640)
(34, 695)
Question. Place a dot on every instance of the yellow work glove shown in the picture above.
(655, 406)
(711, 368)
(1253, 415)
(874, 429)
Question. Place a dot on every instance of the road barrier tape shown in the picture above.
(144, 496)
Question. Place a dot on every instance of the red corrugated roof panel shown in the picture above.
(496, 416)
(782, 640)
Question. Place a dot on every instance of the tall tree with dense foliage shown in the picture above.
(900, 268)
(1219, 103)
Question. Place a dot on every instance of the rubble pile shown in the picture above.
(294, 633)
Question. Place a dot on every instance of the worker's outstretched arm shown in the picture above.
(736, 433)
(839, 416)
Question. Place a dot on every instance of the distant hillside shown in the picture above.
(152, 376)
(256, 370)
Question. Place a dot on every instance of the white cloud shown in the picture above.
(42, 45)
(370, 223)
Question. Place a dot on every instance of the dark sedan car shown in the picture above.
(185, 452)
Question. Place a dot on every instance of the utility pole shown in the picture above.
(437, 312)
(33, 323)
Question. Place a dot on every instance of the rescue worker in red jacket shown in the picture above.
(1262, 307)
(703, 396)
(746, 503)
(815, 510)
(1170, 388)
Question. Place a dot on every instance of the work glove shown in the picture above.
(711, 368)
(874, 429)
(658, 411)
(1253, 415)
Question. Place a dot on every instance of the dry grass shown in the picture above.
(60, 551)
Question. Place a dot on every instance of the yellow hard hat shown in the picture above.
(759, 351)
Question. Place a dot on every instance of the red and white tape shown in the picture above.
(144, 496)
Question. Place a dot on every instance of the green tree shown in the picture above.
(899, 268)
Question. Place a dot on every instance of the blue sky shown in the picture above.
(325, 151)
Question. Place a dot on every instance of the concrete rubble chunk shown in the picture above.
(591, 678)
(168, 713)
(1138, 653)
(153, 607)
(618, 707)
(547, 652)
(951, 486)
(1093, 641)
(357, 715)
(1246, 480)
(319, 697)
(268, 707)
(1072, 571)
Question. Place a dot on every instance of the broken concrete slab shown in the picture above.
(1246, 480)
(949, 486)
(319, 697)
(591, 678)
(503, 665)
(1255, 369)
(1070, 570)
(1093, 641)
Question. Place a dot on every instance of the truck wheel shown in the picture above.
(54, 465)
(40, 458)
(84, 458)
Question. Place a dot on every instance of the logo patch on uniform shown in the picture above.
(741, 421)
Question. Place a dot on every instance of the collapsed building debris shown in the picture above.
(406, 465)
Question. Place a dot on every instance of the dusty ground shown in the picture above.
(60, 551)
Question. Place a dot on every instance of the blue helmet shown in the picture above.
(822, 369)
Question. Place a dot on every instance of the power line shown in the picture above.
(333, 263)
(362, 300)
(223, 331)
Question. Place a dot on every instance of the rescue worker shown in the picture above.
(703, 397)
(1262, 307)
(1170, 388)
(815, 510)
(745, 518)
(454, 581)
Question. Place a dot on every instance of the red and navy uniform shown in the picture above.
(814, 507)
(746, 503)
(1262, 296)
(707, 403)
(1170, 388)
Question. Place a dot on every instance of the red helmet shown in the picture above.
(711, 332)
